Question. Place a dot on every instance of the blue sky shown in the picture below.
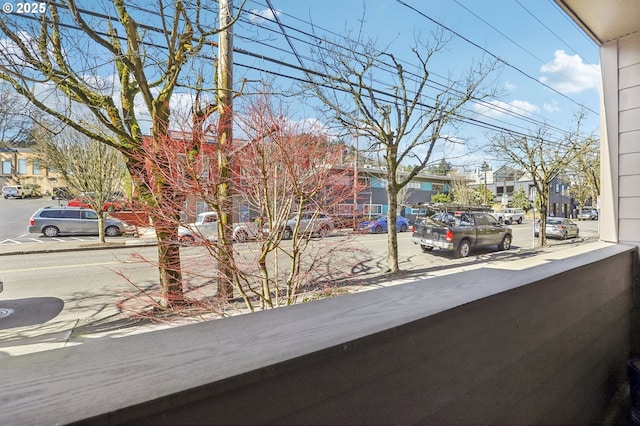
(550, 67)
(549, 71)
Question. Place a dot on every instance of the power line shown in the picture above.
(300, 68)
(494, 56)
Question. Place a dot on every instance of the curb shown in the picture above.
(68, 247)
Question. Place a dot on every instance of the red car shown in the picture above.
(84, 202)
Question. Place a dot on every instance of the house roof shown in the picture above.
(604, 20)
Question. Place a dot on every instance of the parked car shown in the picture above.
(16, 191)
(380, 224)
(342, 221)
(206, 228)
(511, 215)
(60, 193)
(461, 231)
(54, 221)
(558, 227)
(588, 215)
(311, 223)
(107, 206)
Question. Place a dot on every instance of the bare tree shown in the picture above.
(585, 174)
(464, 194)
(544, 157)
(291, 174)
(14, 118)
(393, 105)
(122, 67)
(287, 174)
(87, 166)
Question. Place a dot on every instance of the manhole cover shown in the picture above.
(5, 312)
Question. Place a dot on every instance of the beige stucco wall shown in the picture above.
(620, 120)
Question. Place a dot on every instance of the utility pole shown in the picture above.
(355, 187)
(225, 142)
(485, 167)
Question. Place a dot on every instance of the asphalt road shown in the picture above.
(99, 277)
(49, 297)
(15, 214)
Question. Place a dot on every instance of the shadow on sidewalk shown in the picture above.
(29, 311)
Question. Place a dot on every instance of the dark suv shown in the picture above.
(52, 221)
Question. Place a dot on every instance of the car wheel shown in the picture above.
(51, 231)
(464, 248)
(506, 243)
(403, 228)
(426, 249)
(241, 236)
(378, 229)
(112, 231)
(519, 220)
(287, 234)
(564, 235)
(507, 222)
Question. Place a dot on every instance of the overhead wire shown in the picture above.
(263, 57)
(489, 105)
(494, 55)
(300, 68)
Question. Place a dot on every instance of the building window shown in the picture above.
(6, 167)
(343, 209)
(22, 166)
(372, 209)
(413, 185)
(201, 207)
(378, 183)
(36, 169)
(438, 187)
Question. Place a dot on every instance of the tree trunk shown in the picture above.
(166, 226)
(544, 211)
(101, 227)
(392, 235)
(169, 263)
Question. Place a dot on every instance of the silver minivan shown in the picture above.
(53, 221)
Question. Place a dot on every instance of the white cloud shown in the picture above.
(568, 74)
(257, 16)
(499, 108)
(551, 107)
(510, 86)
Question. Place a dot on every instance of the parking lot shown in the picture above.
(16, 213)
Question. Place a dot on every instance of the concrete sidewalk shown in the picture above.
(22, 334)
